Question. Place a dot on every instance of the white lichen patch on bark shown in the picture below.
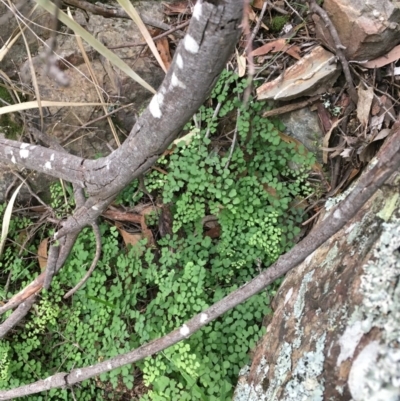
(24, 153)
(184, 330)
(203, 317)
(13, 159)
(179, 61)
(337, 214)
(190, 44)
(175, 82)
(155, 105)
(47, 166)
(197, 11)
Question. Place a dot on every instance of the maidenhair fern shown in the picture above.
(251, 191)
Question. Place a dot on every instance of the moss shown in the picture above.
(277, 23)
(8, 125)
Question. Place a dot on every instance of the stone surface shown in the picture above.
(303, 125)
(311, 75)
(368, 29)
(115, 86)
(36, 33)
(335, 332)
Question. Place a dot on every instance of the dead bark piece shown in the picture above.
(309, 76)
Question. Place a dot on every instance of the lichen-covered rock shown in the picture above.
(335, 333)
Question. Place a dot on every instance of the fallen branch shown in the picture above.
(290, 107)
(388, 163)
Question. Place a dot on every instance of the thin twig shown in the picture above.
(233, 140)
(290, 107)
(30, 190)
(339, 47)
(249, 54)
(51, 265)
(7, 284)
(94, 121)
(216, 111)
(158, 37)
(276, 8)
(96, 258)
(259, 22)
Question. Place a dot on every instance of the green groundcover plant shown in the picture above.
(252, 191)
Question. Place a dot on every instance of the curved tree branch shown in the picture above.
(198, 62)
(388, 163)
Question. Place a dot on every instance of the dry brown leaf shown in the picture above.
(365, 97)
(254, 17)
(382, 134)
(42, 254)
(353, 174)
(388, 58)
(375, 108)
(241, 62)
(163, 49)
(258, 4)
(214, 232)
(270, 190)
(176, 8)
(278, 45)
(129, 238)
(122, 216)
